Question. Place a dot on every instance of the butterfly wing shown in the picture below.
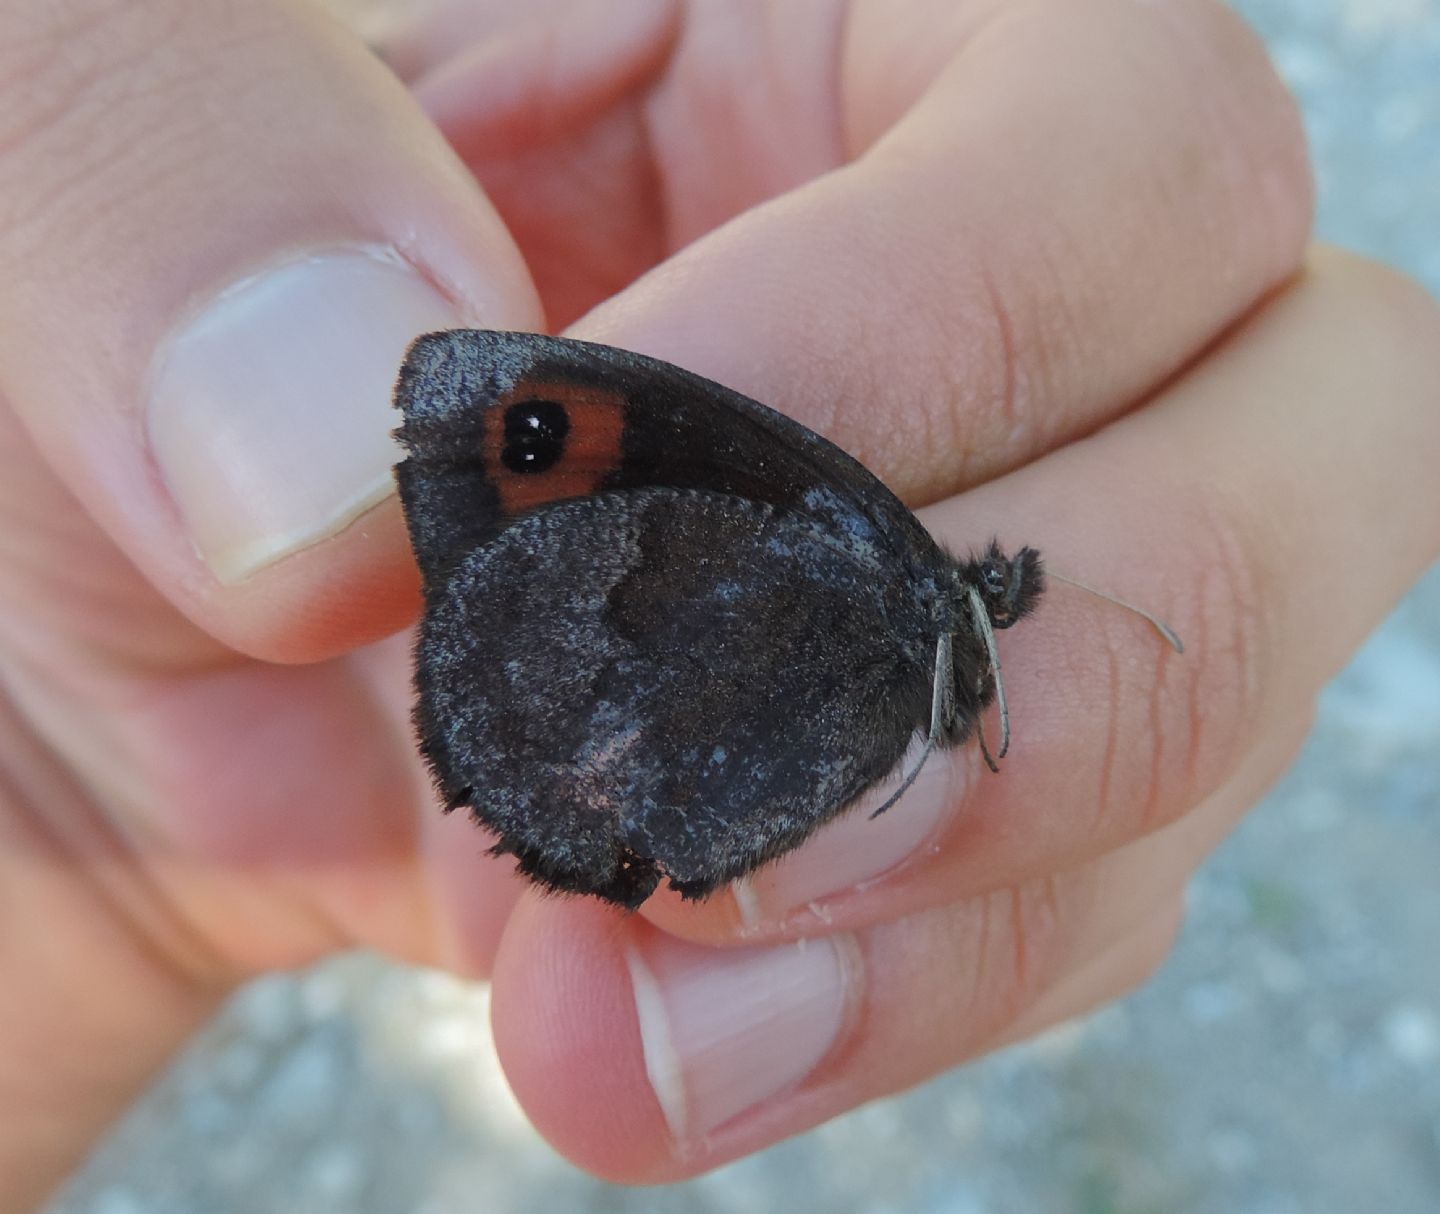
(662, 682)
(499, 424)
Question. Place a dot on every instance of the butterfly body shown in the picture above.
(668, 632)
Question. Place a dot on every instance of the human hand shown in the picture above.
(1047, 213)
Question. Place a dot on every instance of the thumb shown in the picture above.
(220, 226)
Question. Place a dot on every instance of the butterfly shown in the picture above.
(669, 632)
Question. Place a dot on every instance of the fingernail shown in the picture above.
(855, 848)
(726, 1029)
(269, 412)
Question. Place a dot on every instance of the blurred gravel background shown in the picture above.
(1286, 1060)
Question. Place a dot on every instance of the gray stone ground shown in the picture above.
(1286, 1060)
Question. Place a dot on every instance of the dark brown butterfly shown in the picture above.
(668, 631)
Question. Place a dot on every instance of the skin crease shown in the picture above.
(905, 230)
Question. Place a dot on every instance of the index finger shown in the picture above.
(1039, 211)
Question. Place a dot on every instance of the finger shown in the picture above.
(1050, 209)
(1128, 963)
(1230, 505)
(546, 103)
(211, 279)
(740, 1046)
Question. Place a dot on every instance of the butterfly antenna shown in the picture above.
(1159, 625)
(939, 706)
(981, 619)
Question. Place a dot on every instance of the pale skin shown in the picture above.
(1054, 221)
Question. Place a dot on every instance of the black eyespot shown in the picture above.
(535, 434)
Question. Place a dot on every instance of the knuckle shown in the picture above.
(1397, 323)
(1035, 915)
(1221, 682)
(1175, 731)
(1256, 133)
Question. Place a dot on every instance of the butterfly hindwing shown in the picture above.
(667, 682)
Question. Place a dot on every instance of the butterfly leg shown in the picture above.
(942, 713)
(981, 619)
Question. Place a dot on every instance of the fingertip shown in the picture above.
(568, 1036)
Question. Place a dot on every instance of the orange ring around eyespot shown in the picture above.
(593, 447)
